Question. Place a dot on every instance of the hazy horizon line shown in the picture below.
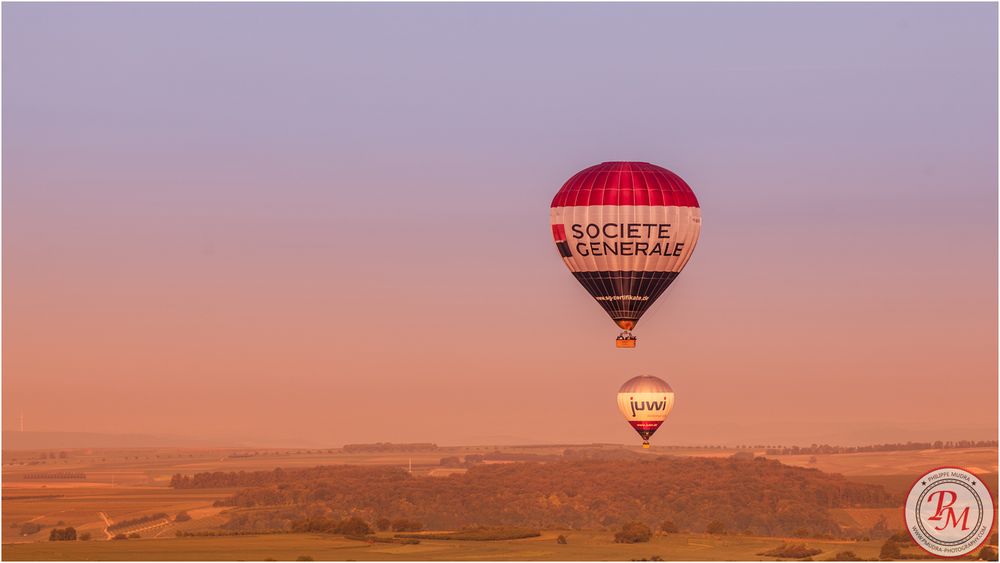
(274, 444)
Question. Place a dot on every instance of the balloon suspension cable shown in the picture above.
(625, 340)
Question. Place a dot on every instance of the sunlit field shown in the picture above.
(579, 546)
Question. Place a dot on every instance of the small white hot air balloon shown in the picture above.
(645, 401)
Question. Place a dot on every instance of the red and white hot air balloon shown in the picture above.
(625, 230)
(645, 401)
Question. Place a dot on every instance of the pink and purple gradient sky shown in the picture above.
(323, 224)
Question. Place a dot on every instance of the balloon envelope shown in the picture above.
(625, 230)
(645, 401)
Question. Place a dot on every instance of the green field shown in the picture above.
(588, 546)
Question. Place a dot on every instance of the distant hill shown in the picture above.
(13, 440)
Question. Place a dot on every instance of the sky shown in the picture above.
(329, 223)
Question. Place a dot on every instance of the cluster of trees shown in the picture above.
(451, 461)
(400, 541)
(273, 520)
(716, 527)
(29, 528)
(136, 521)
(352, 526)
(316, 519)
(891, 549)
(633, 532)
(63, 534)
(760, 496)
(827, 449)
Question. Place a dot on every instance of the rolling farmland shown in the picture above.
(131, 484)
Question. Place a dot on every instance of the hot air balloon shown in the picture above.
(645, 401)
(625, 230)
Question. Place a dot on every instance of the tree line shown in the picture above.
(828, 449)
(390, 447)
(123, 524)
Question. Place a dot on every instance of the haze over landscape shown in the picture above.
(325, 224)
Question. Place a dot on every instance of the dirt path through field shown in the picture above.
(107, 524)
